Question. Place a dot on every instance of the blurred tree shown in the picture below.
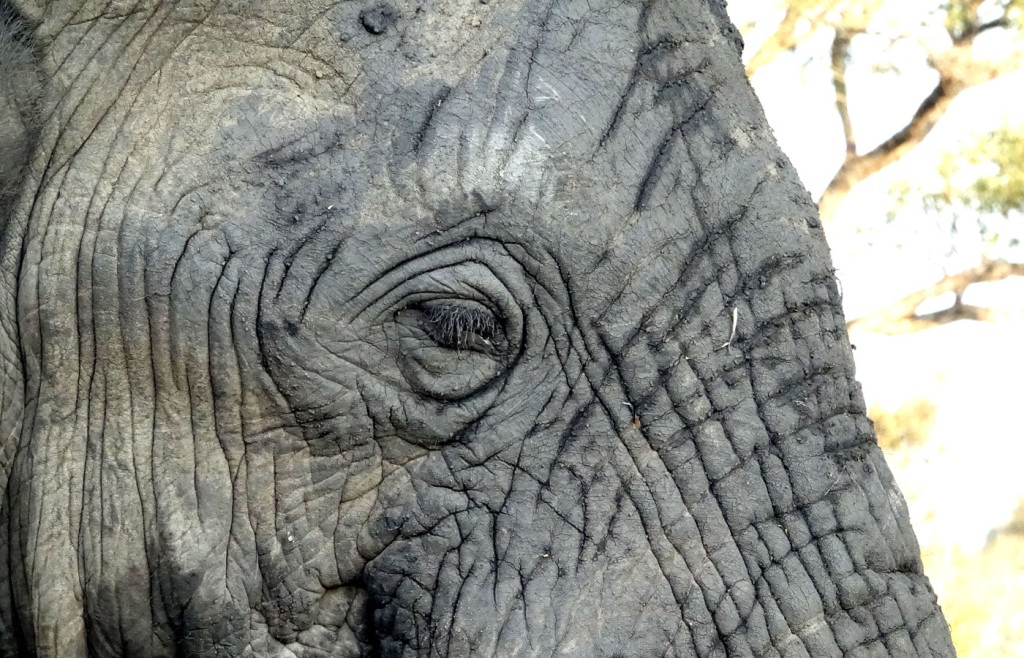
(981, 185)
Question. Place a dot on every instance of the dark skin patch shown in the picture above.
(378, 19)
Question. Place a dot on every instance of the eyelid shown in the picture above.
(403, 293)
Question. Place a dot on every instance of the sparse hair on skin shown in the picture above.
(19, 113)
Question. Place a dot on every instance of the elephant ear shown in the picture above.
(725, 24)
(19, 93)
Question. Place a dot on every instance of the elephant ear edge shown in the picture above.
(725, 24)
(20, 86)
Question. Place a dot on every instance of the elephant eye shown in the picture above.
(463, 326)
(451, 348)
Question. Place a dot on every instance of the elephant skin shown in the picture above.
(433, 328)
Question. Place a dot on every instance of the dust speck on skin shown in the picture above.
(741, 138)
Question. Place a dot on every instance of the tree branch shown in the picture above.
(999, 22)
(958, 70)
(902, 317)
(856, 168)
(840, 55)
(782, 40)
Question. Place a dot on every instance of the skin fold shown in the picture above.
(433, 328)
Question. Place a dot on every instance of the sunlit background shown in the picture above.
(904, 119)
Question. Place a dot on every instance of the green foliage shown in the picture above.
(994, 166)
(961, 17)
(1002, 189)
(964, 17)
(977, 187)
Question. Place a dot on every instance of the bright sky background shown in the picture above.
(958, 493)
(878, 261)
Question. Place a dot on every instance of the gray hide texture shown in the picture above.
(423, 328)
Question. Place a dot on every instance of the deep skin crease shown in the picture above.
(426, 329)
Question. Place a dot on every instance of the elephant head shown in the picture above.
(425, 328)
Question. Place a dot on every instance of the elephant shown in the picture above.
(424, 328)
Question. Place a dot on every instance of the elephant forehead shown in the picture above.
(544, 98)
(588, 132)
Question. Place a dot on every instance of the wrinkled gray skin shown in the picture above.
(424, 329)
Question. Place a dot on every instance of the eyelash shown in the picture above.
(455, 326)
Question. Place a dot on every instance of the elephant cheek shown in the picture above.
(541, 550)
(542, 597)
